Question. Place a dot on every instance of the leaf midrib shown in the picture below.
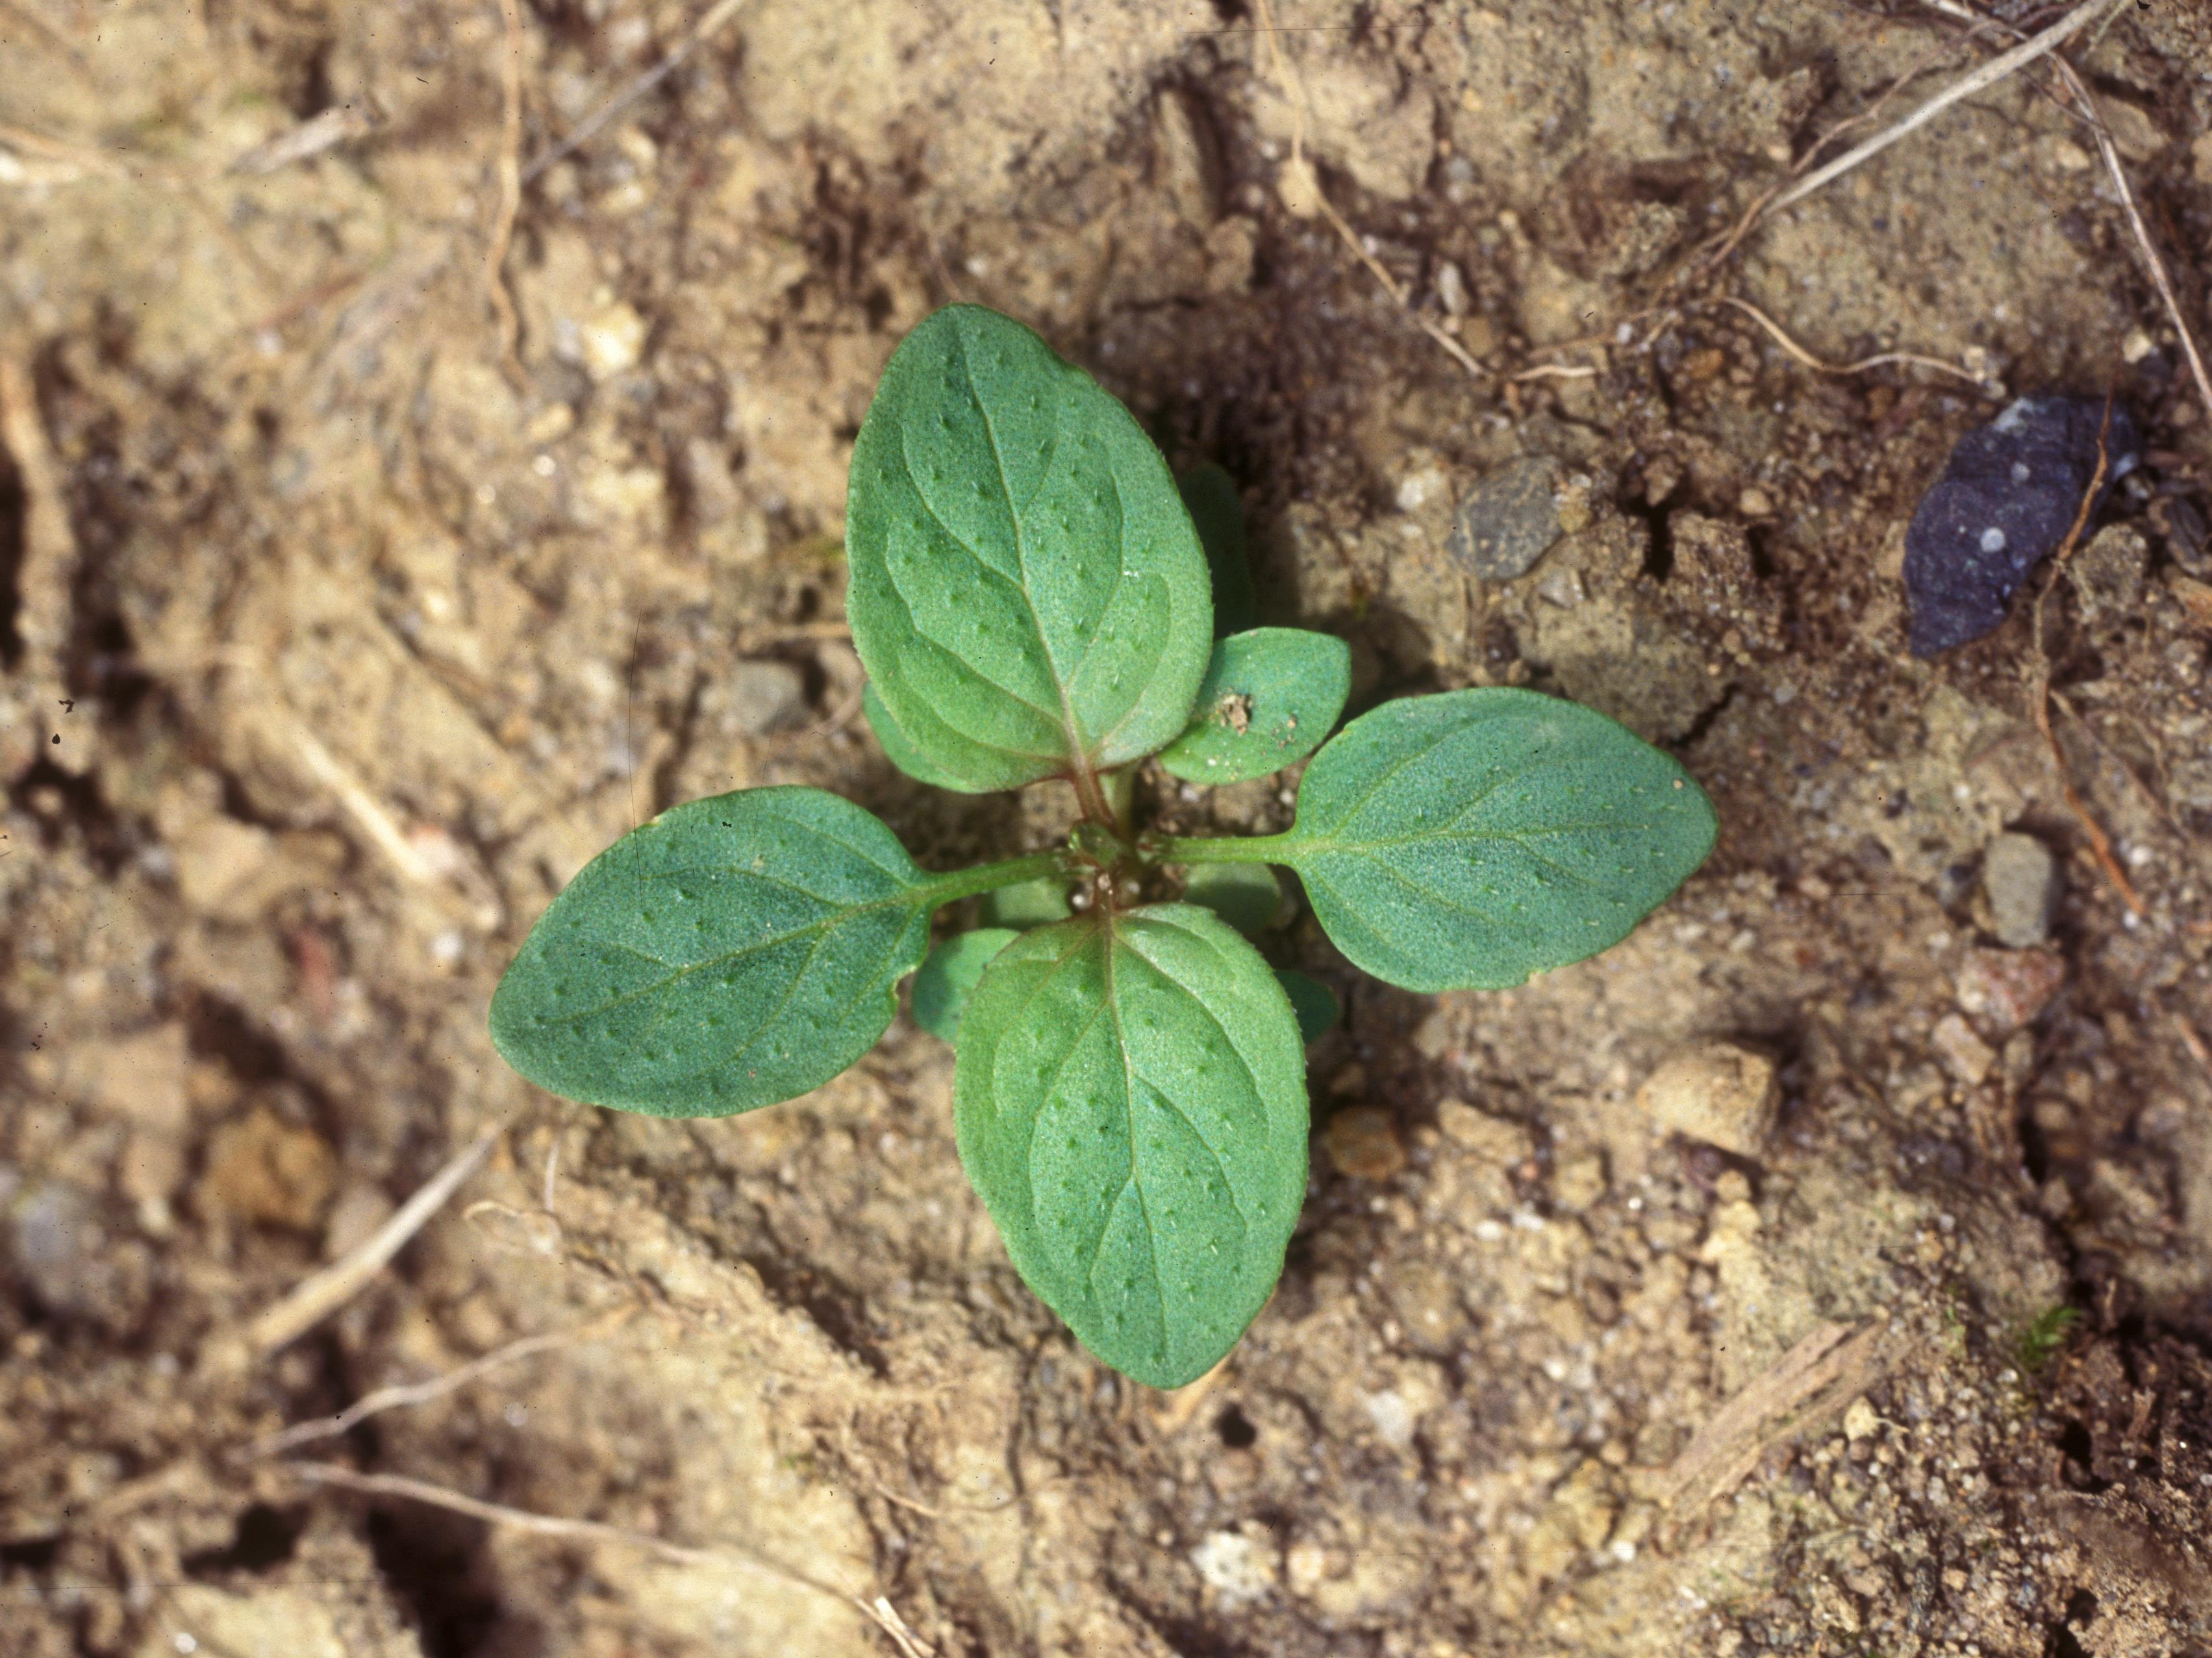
(1294, 845)
(1077, 755)
(911, 897)
(1130, 1114)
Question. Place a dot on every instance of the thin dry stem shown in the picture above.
(839, 717)
(1734, 237)
(2194, 1044)
(340, 123)
(54, 38)
(2100, 844)
(370, 816)
(1294, 90)
(594, 1531)
(1779, 1403)
(423, 1392)
(48, 551)
(1878, 360)
(318, 1298)
(716, 18)
(510, 186)
(1966, 86)
(2106, 149)
(105, 163)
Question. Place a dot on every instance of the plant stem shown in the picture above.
(1205, 849)
(1090, 796)
(967, 882)
(1119, 788)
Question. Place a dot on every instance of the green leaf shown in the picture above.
(733, 952)
(1248, 896)
(1026, 904)
(1211, 495)
(1130, 1102)
(897, 748)
(1314, 1002)
(948, 978)
(1027, 594)
(1269, 697)
(1468, 840)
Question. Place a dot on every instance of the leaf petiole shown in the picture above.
(985, 877)
(1208, 849)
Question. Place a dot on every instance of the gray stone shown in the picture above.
(63, 1258)
(754, 699)
(2022, 878)
(1509, 520)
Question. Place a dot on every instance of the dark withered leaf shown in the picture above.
(2009, 494)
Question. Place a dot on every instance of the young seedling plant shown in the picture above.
(1031, 596)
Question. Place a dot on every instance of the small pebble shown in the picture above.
(1451, 289)
(2021, 879)
(2006, 500)
(1235, 1567)
(1716, 1092)
(2007, 988)
(1362, 1141)
(1965, 1055)
(754, 699)
(1509, 520)
(58, 1242)
(1578, 1182)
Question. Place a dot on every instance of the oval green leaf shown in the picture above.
(1218, 516)
(897, 747)
(1314, 1002)
(733, 952)
(1465, 841)
(1248, 896)
(1130, 1101)
(1027, 594)
(948, 978)
(1269, 697)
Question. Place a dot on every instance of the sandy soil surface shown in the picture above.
(390, 518)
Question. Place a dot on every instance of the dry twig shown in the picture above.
(510, 186)
(65, 48)
(338, 125)
(2148, 248)
(716, 18)
(1966, 86)
(1173, 1409)
(434, 861)
(594, 1531)
(1294, 90)
(1781, 1401)
(317, 1297)
(1877, 361)
(48, 551)
(1733, 238)
(2194, 1044)
(2100, 844)
(105, 163)
(2093, 120)
(421, 1393)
